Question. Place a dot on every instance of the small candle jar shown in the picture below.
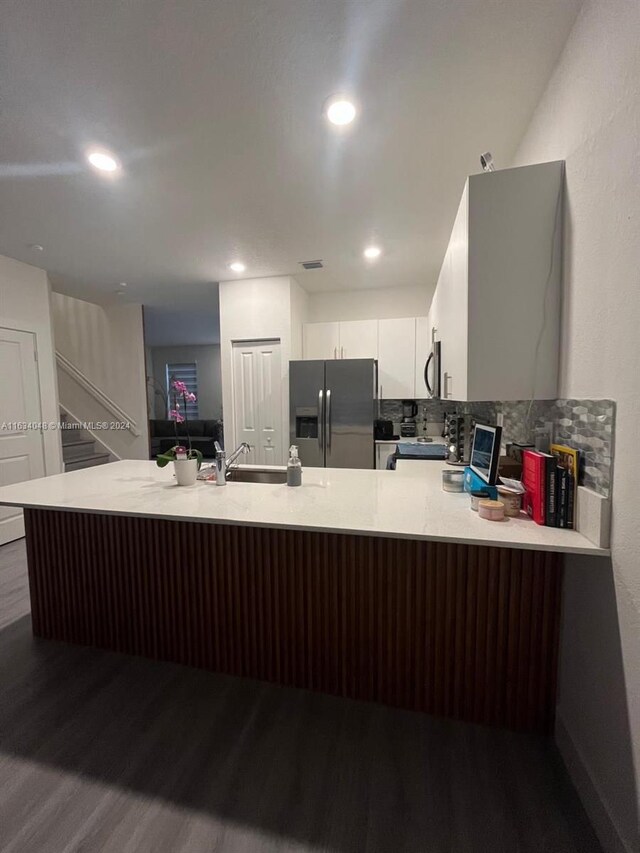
(453, 480)
(477, 496)
(491, 510)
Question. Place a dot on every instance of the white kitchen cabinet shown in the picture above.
(393, 342)
(397, 358)
(383, 451)
(453, 309)
(497, 302)
(321, 340)
(349, 339)
(359, 339)
(423, 348)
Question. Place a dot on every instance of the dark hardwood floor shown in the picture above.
(104, 752)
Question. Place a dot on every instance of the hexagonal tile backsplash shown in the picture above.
(587, 425)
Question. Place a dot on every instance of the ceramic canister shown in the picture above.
(511, 500)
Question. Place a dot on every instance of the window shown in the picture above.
(186, 372)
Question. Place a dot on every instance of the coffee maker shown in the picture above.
(408, 423)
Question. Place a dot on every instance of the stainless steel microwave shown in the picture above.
(433, 369)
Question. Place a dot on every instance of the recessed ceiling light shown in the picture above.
(123, 284)
(36, 247)
(372, 252)
(103, 161)
(340, 110)
(237, 266)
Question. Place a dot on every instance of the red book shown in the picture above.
(534, 481)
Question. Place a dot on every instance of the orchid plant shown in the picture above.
(180, 396)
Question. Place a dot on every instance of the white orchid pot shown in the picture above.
(186, 471)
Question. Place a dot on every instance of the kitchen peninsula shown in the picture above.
(372, 585)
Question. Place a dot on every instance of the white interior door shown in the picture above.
(21, 449)
(257, 395)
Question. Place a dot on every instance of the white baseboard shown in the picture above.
(597, 811)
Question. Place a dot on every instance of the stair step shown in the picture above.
(70, 436)
(87, 462)
(81, 448)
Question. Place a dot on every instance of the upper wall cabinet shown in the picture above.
(496, 309)
(400, 345)
(397, 358)
(349, 339)
(321, 340)
(359, 339)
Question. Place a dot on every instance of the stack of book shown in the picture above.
(551, 481)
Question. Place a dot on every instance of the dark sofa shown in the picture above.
(204, 434)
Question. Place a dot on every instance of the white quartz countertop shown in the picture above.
(408, 503)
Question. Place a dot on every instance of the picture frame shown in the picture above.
(485, 452)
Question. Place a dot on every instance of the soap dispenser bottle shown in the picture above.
(294, 468)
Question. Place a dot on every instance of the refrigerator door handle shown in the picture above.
(320, 419)
(328, 427)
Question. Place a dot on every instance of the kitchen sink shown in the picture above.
(256, 475)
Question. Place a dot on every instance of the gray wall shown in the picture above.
(589, 116)
(209, 376)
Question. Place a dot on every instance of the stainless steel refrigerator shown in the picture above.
(331, 411)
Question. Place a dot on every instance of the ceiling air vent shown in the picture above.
(311, 265)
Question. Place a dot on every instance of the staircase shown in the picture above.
(79, 450)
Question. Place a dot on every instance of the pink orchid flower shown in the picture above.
(190, 397)
(180, 387)
(175, 415)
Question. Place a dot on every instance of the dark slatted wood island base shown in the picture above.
(460, 631)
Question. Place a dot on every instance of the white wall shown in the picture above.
(590, 116)
(106, 344)
(255, 309)
(375, 304)
(207, 359)
(197, 321)
(25, 305)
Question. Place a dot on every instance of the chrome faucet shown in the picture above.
(244, 447)
(224, 465)
(221, 466)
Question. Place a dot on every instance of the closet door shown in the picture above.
(21, 448)
(257, 392)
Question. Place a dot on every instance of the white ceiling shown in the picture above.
(215, 109)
